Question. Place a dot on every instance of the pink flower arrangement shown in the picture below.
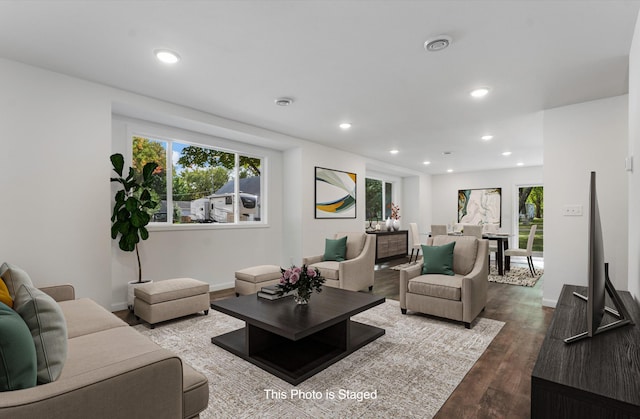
(304, 279)
(395, 212)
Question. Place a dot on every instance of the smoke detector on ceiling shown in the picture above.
(437, 43)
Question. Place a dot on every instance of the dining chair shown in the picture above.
(438, 230)
(415, 240)
(490, 228)
(528, 252)
(493, 245)
(472, 230)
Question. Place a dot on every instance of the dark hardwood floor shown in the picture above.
(499, 384)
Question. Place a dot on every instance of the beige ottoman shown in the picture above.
(169, 299)
(250, 280)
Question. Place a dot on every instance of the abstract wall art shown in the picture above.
(335, 195)
(480, 206)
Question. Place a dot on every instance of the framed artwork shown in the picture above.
(335, 195)
(480, 206)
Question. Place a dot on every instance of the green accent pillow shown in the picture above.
(438, 259)
(335, 249)
(18, 366)
(48, 327)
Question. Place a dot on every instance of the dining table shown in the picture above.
(502, 241)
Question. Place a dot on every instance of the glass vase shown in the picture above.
(302, 296)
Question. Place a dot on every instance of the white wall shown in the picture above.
(300, 185)
(445, 192)
(56, 136)
(416, 205)
(292, 207)
(580, 138)
(634, 150)
(304, 234)
(211, 253)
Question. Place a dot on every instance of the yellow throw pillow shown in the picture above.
(4, 294)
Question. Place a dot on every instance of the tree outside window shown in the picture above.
(203, 182)
(378, 197)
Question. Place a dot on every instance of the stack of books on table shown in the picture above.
(271, 293)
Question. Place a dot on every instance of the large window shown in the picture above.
(379, 195)
(530, 212)
(198, 184)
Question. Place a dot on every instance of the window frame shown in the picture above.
(171, 135)
(383, 194)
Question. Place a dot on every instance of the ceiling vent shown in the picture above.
(437, 43)
(283, 101)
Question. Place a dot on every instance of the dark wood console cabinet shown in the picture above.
(391, 244)
(593, 378)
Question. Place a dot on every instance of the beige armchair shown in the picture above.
(459, 297)
(356, 271)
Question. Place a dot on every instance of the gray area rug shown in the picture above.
(517, 275)
(411, 370)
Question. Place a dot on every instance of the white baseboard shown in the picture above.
(119, 306)
(223, 286)
(549, 303)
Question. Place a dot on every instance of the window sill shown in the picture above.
(205, 226)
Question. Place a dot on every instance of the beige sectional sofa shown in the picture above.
(111, 371)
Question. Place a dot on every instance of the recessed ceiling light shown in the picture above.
(167, 56)
(447, 153)
(426, 162)
(394, 151)
(487, 137)
(437, 43)
(481, 92)
(345, 125)
(449, 170)
(519, 164)
(283, 101)
(506, 153)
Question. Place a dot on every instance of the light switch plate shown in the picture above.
(572, 210)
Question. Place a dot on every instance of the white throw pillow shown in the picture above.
(48, 328)
(14, 277)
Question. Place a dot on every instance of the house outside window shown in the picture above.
(198, 184)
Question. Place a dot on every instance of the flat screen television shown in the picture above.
(599, 283)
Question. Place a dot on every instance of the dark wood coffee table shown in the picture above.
(295, 342)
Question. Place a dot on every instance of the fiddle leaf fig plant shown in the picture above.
(135, 204)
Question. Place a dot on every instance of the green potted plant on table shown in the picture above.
(135, 204)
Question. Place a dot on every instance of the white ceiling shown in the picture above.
(356, 61)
